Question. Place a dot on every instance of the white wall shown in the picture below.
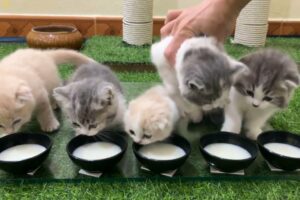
(280, 9)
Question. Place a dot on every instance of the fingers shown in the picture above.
(173, 14)
(167, 29)
(169, 22)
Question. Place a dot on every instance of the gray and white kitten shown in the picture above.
(92, 99)
(259, 92)
(205, 72)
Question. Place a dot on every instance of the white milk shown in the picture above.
(227, 151)
(283, 149)
(162, 151)
(21, 152)
(97, 151)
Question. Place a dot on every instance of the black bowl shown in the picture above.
(277, 160)
(159, 166)
(102, 164)
(228, 165)
(26, 165)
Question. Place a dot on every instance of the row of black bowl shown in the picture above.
(226, 165)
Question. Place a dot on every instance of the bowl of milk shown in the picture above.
(227, 152)
(97, 153)
(21, 153)
(281, 149)
(163, 156)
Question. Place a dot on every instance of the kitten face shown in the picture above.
(145, 130)
(15, 110)
(271, 80)
(90, 105)
(205, 74)
(150, 117)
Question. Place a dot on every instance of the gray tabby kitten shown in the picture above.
(92, 99)
(258, 93)
(205, 72)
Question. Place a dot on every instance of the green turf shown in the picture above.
(111, 49)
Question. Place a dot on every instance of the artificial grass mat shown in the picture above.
(286, 120)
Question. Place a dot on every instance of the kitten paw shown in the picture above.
(196, 117)
(50, 126)
(253, 134)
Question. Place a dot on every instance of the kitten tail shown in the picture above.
(67, 56)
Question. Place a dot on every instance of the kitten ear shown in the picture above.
(23, 95)
(236, 69)
(291, 81)
(106, 95)
(193, 85)
(61, 94)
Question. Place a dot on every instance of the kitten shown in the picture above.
(202, 76)
(27, 78)
(92, 99)
(151, 117)
(265, 88)
(167, 73)
(205, 72)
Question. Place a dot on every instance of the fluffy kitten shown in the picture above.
(202, 76)
(92, 99)
(151, 117)
(265, 88)
(27, 78)
(205, 72)
(167, 73)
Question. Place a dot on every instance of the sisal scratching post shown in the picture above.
(137, 21)
(252, 24)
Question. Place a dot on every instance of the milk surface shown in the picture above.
(97, 151)
(284, 149)
(227, 151)
(21, 152)
(162, 151)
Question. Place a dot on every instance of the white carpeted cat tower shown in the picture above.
(252, 24)
(137, 21)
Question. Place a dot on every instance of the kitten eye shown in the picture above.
(147, 136)
(192, 86)
(266, 98)
(250, 93)
(16, 122)
(91, 126)
(75, 124)
(131, 132)
(1, 126)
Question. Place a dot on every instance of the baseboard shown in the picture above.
(20, 25)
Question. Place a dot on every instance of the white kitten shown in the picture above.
(151, 117)
(169, 78)
(259, 92)
(202, 75)
(205, 72)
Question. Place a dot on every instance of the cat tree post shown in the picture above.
(137, 21)
(252, 24)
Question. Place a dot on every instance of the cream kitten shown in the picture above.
(27, 78)
(257, 94)
(151, 117)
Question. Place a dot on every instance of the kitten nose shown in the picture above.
(9, 130)
(255, 105)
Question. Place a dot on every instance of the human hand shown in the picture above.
(211, 17)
